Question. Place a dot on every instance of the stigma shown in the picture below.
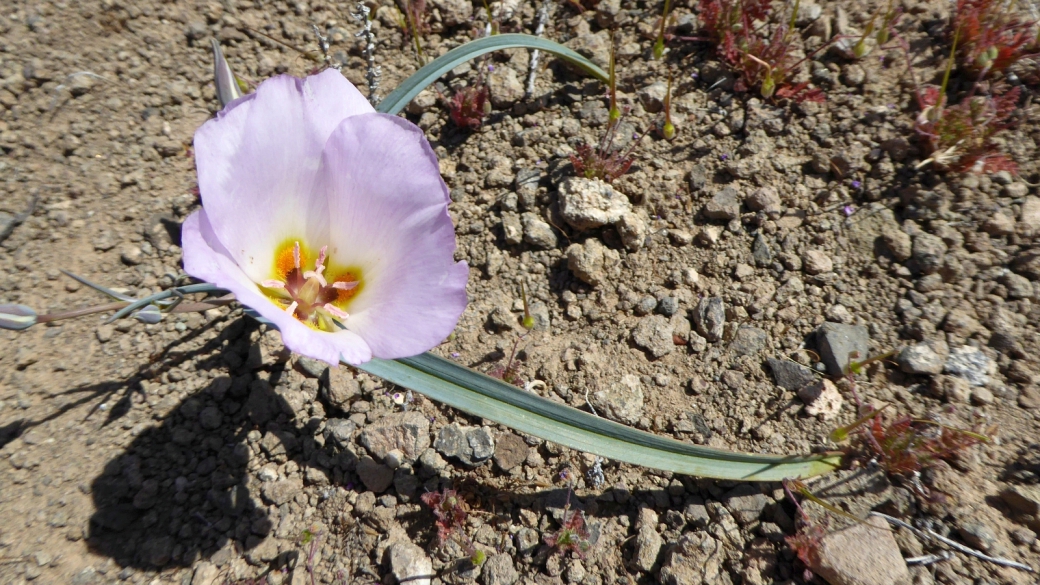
(315, 297)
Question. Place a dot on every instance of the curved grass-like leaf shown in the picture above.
(418, 81)
(487, 397)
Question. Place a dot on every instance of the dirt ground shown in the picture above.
(197, 451)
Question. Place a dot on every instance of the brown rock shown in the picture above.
(863, 554)
(510, 451)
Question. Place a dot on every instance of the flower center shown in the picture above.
(317, 297)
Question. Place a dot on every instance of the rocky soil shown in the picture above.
(713, 294)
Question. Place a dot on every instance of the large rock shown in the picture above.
(655, 335)
(790, 375)
(863, 554)
(926, 357)
(590, 203)
(594, 46)
(592, 262)
(648, 541)
(840, 344)
(408, 432)
(506, 87)
(695, 560)
(538, 233)
(409, 564)
(710, 318)
(622, 401)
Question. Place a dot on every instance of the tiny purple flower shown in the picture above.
(455, 354)
(723, 156)
(491, 68)
(849, 210)
(328, 219)
(857, 185)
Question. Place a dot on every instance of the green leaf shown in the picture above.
(409, 88)
(492, 399)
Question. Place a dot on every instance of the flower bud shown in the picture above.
(668, 131)
(768, 87)
(227, 86)
(149, 315)
(16, 317)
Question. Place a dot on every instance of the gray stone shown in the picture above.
(594, 46)
(340, 388)
(928, 253)
(898, 243)
(725, 205)
(652, 97)
(409, 564)
(761, 252)
(311, 368)
(645, 306)
(499, 570)
(505, 87)
(648, 542)
(622, 401)
(1022, 498)
(971, 364)
(452, 13)
(697, 559)
(655, 335)
(862, 554)
(156, 551)
(926, 357)
(632, 229)
(537, 232)
(668, 306)
(749, 341)
(839, 344)
(1018, 286)
(816, 262)
(590, 203)
(745, 502)
(481, 443)
(281, 491)
(340, 431)
(376, 476)
(591, 262)
(1027, 263)
(709, 317)
(210, 418)
(510, 451)
(790, 375)
(512, 228)
(977, 535)
(764, 199)
(408, 432)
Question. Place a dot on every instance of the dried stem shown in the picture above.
(373, 73)
(543, 15)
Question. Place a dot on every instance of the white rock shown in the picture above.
(822, 399)
(409, 564)
(590, 203)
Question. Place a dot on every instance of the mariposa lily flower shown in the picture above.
(328, 219)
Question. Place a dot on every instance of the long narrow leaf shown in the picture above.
(418, 81)
(486, 397)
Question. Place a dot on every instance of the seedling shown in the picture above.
(528, 320)
(605, 162)
(510, 373)
(668, 129)
(992, 37)
(960, 137)
(765, 64)
(906, 445)
(805, 542)
(469, 106)
(413, 20)
(659, 49)
(451, 512)
(311, 536)
(573, 535)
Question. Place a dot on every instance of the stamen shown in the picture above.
(296, 255)
(336, 311)
(272, 284)
(344, 285)
(291, 309)
(319, 266)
